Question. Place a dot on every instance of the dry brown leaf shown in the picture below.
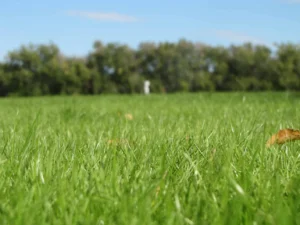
(284, 135)
(117, 141)
(129, 116)
(157, 190)
(213, 152)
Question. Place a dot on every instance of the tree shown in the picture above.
(77, 77)
(217, 61)
(4, 81)
(171, 67)
(35, 70)
(251, 67)
(114, 64)
(288, 56)
(147, 65)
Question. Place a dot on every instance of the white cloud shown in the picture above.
(100, 16)
(238, 37)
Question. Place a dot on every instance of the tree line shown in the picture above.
(184, 66)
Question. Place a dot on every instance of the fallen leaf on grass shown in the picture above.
(212, 156)
(118, 141)
(283, 136)
(129, 116)
(157, 190)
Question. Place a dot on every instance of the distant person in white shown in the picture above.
(147, 87)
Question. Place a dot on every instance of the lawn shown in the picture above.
(158, 159)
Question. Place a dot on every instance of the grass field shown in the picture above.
(181, 159)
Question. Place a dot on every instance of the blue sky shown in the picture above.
(74, 25)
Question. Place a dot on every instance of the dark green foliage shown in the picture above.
(171, 67)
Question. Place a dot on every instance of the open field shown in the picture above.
(180, 159)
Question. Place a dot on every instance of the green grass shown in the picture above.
(183, 159)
